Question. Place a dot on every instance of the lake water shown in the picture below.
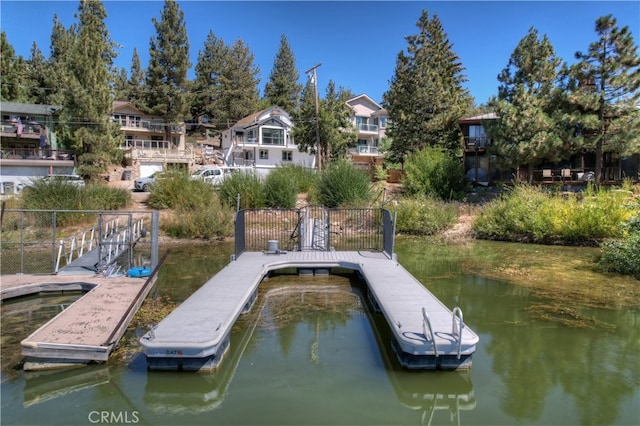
(311, 353)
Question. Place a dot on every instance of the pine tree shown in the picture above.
(239, 92)
(168, 65)
(604, 93)
(88, 103)
(62, 40)
(210, 68)
(283, 88)
(136, 88)
(426, 98)
(37, 77)
(12, 72)
(304, 131)
(526, 131)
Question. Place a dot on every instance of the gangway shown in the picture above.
(97, 248)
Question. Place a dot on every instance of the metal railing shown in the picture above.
(38, 241)
(315, 228)
(428, 331)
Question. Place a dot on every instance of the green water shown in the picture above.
(310, 352)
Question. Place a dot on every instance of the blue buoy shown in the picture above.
(139, 272)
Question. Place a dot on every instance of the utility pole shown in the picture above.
(314, 79)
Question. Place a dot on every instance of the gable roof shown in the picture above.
(261, 116)
(28, 109)
(363, 98)
(478, 118)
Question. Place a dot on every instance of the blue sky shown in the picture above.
(356, 42)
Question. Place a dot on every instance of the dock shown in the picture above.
(425, 333)
(86, 331)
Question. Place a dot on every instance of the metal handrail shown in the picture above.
(426, 322)
(461, 326)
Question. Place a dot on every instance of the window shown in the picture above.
(251, 136)
(264, 154)
(383, 122)
(287, 155)
(272, 136)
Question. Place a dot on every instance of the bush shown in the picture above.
(280, 189)
(174, 188)
(432, 172)
(341, 183)
(58, 195)
(529, 214)
(248, 185)
(213, 222)
(623, 255)
(422, 216)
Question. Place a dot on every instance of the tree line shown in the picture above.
(547, 109)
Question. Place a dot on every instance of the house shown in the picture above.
(370, 121)
(29, 145)
(482, 167)
(144, 141)
(263, 140)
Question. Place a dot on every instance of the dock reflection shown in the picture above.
(41, 386)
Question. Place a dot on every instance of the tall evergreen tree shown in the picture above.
(283, 88)
(168, 65)
(37, 77)
(604, 93)
(62, 40)
(426, 97)
(88, 103)
(239, 92)
(12, 72)
(209, 70)
(527, 131)
(334, 125)
(136, 88)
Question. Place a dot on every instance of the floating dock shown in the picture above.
(425, 333)
(86, 331)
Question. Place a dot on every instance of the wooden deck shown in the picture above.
(196, 336)
(88, 330)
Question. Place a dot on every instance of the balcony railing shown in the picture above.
(476, 142)
(36, 154)
(146, 125)
(362, 127)
(367, 150)
(28, 131)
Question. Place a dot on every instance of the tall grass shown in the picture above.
(198, 212)
(527, 213)
(432, 172)
(64, 196)
(342, 184)
(422, 215)
(248, 186)
(622, 255)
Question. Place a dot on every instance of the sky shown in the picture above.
(356, 42)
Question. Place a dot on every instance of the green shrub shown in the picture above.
(527, 213)
(174, 188)
(434, 173)
(304, 177)
(623, 255)
(248, 185)
(58, 195)
(341, 183)
(280, 189)
(422, 215)
(213, 222)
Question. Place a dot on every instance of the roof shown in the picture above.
(28, 109)
(364, 97)
(255, 117)
(478, 118)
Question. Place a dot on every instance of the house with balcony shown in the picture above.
(370, 122)
(263, 140)
(144, 141)
(29, 147)
(481, 167)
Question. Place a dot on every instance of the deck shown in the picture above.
(88, 330)
(196, 335)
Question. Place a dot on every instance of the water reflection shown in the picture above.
(538, 362)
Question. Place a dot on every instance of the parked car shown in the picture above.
(75, 180)
(214, 175)
(144, 184)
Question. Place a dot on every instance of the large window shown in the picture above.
(272, 136)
